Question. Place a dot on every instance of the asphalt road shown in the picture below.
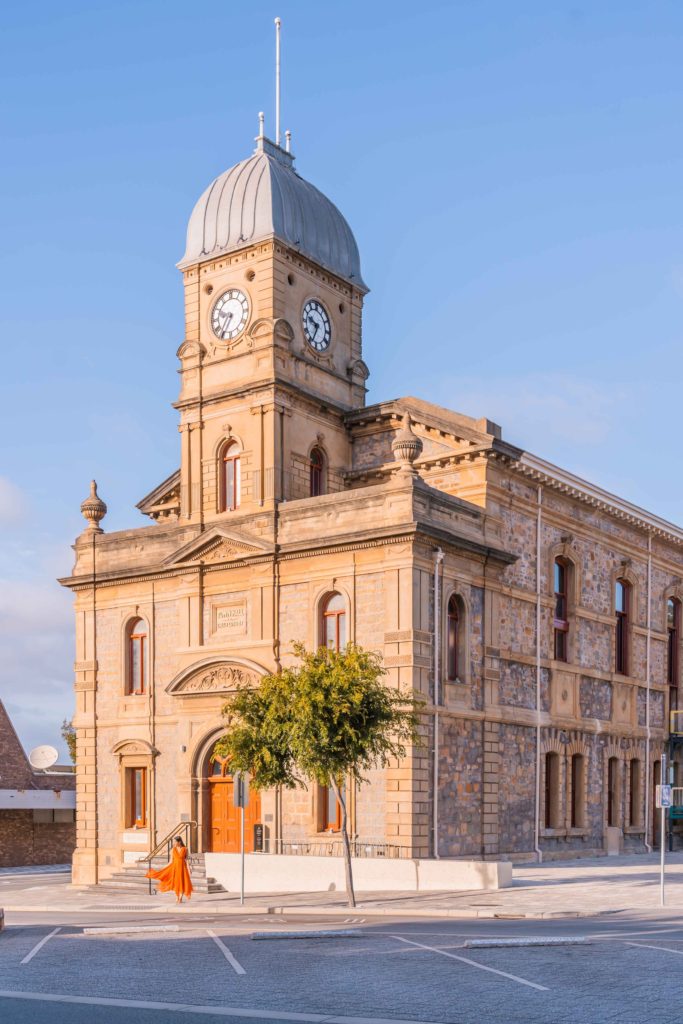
(210, 969)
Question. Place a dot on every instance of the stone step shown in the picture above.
(132, 877)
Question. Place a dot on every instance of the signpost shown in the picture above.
(663, 799)
(240, 796)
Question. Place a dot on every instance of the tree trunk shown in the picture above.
(347, 845)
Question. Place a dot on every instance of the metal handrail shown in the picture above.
(184, 830)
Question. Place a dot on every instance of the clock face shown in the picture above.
(317, 327)
(230, 314)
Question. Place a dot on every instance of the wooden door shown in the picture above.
(225, 818)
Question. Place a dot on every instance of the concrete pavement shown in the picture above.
(558, 889)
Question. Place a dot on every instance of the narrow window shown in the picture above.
(316, 468)
(453, 639)
(635, 775)
(136, 798)
(329, 810)
(622, 609)
(673, 613)
(137, 658)
(578, 817)
(560, 621)
(613, 792)
(552, 790)
(229, 477)
(334, 623)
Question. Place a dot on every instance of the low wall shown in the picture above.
(285, 873)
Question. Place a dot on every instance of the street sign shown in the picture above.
(664, 796)
(240, 789)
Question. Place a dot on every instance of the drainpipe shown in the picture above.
(648, 847)
(438, 559)
(539, 523)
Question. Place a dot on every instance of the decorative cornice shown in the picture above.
(546, 473)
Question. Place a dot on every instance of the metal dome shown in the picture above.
(264, 197)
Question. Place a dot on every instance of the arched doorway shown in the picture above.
(224, 818)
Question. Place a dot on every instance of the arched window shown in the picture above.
(229, 477)
(561, 572)
(613, 792)
(622, 601)
(453, 667)
(553, 810)
(138, 641)
(635, 794)
(578, 804)
(317, 472)
(673, 618)
(334, 622)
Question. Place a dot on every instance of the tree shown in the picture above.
(69, 737)
(326, 720)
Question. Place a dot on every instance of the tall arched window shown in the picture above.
(635, 795)
(613, 791)
(673, 618)
(452, 639)
(229, 477)
(561, 617)
(578, 804)
(334, 622)
(622, 601)
(553, 810)
(136, 682)
(317, 472)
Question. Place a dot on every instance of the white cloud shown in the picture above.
(538, 409)
(12, 502)
(36, 658)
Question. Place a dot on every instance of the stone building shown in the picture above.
(537, 615)
(37, 808)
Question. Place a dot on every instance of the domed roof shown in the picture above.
(263, 197)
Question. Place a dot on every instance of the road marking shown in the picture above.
(235, 964)
(339, 933)
(651, 931)
(660, 949)
(267, 1016)
(473, 963)
(126, 928)
(40, 945)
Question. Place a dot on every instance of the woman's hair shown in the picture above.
(179, 840)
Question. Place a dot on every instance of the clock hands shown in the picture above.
(228, 318)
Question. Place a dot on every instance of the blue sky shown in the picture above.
(513, 176)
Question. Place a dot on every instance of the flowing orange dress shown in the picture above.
(175, 877)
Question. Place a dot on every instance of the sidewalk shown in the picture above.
(559, 889)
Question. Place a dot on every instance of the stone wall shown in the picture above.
(24, 842)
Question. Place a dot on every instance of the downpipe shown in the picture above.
(438, 559)
(537, 822)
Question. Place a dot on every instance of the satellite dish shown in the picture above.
(43, 757)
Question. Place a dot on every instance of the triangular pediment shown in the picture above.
(219, 545)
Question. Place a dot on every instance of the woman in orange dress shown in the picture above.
(175, 877)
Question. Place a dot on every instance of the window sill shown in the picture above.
(553, 833)
(634, 830)
(580, 832)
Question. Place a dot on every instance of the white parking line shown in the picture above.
(660, 949)
(267, 1016)
(40, 945)
(473, 963)
(235, 964)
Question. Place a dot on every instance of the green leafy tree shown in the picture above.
(69, 737)
(328, 719)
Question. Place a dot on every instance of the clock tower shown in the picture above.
(272, 355)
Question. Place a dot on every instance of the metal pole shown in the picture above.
(242, 846)
(663, 844)
(277, 80)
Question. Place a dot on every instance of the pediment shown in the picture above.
(212, 676)
(218, 545)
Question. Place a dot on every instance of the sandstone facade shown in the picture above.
(419, 516)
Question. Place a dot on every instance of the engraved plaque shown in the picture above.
(230, 619)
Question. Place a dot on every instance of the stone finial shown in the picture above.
(406, 446)
(94, 509)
